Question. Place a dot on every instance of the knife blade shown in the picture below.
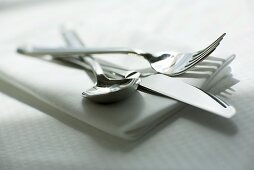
(165, 86)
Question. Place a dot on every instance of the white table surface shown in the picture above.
(34, 139)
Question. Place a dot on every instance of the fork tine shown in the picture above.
(218, 40)
(204, 53)
(213, 45)
(211, 48)
(201, 57)
(197, 60)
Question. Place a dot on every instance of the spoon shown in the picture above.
(107, 90)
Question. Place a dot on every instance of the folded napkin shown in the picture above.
(60, 87)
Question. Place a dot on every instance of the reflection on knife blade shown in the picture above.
(169, 87)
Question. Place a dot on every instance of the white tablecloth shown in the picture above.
(33, 139)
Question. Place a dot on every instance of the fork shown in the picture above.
(171, 64)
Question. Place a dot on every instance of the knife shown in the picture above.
(165, 86)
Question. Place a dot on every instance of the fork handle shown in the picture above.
(63, 52)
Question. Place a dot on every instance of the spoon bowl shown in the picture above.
(113, 90)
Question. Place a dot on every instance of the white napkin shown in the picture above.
(61, 87)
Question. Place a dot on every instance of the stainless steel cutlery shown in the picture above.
(111, 88)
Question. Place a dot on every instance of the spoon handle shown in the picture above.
(72, 40)
(95, 66)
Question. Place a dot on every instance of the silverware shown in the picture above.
(172, 64)
(108, 90)
(165, 86)
(105, 90)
